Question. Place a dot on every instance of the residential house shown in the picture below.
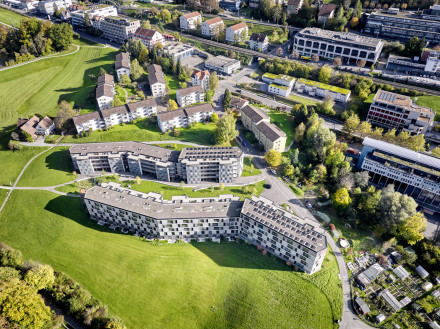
(119, 29)
(238, 103)
(259, 42)
(149, 38)
(279, 84)
(190, 95)
(293, 6)
(156, 79)
(212, 27)
(190, 21)
(201, 78)
(105, 91)
(326, 12)
(184, 117)
(45, 126)
(237, 33)
(122, 65)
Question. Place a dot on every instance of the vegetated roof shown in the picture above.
(256, 115)
(192, 15)
(274, 85)
(189, 90)
(327, 9)
(214, 20)
(238, 26)
(155, 74)
(270, 130)
(321, 85)
(184, 112)
(258, 37)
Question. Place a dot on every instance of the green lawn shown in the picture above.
(303, 100)
(283, 121)
(12, 162)
(86, 42)
(120, 94)
(173, 84)
(144, 132)
(174, 146)
(44, 84)
(432, 102)
(247, 169)
(168, 191)
(51, 168)
(263, 29)
(9, 17)
(3, 194)
(70, 188)
(201, 285)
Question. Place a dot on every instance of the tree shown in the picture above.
(7, 273)
(227, 99)
(295, 54)
(361, 63)
(361, 179)
(341, 200)
(136, 70)
(213, 81)
(222, 187)
(351, 124)
(146, 24)
(214, 117)
(414, 47)
(289, 170)
(124, 80)
(65, 112)
(172, 105)
(20, 304)
(273, 158)
(354, 22)
(326, 106)
(279, 52)
(319, 141)
(9, 256)
(143, 56)
(225, 131)
(40, 276)
(299, 133)
(411, 228)
(337, 62)
(315, 58)
(364, 129)
(325, 73)
(436, 152)
(61, 35)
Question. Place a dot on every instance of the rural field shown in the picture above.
(201, 285)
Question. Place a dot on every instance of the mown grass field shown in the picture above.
(247, 171)
(432, 102)
(263, 29)
(283, 121)
(50, 168)
(9, 17)
(144, 132)
(201, 285)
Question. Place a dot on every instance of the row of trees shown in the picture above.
(35, 38)
(21, 304)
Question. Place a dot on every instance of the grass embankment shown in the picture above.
(262, 29)
(50, 168)
(248, 170)
(145, 132)
(10, 18)
(202, 285)
(283, 121)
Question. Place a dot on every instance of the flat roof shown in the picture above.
(339, 36)
(210, 152)
(400, 100)
(221, 61)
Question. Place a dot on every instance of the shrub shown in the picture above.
(7, 273)
(10, 257)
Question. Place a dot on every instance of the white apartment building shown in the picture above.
(412, 173)
(190, 21)
(49, 7)
(259, 42)
(279, 84)
(212, 27)
(279, 90)
(97, 10)
(122, 65)
(431, 65)
(299, 241)
(113, 116)
(237, 33)
(149, 38)
(397, 111)
(118, 28)
(328, 44)
(156, 79)
(322, 90)
(268, 134)
(190, 95)
(184, 117)
(200, 78)
(178, 50)
(223, 64)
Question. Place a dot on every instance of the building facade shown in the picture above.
(237, 33)
(219, 164)
(223, 64)
(298, 241)
(150, 38)
(323, 90)
(258, 122)
(326, 12)
(190, 21)
(112, 116)
(293, 6)
(182, 118)
(259, 42)
(49, 7)
(279, 84)
(212, 27)
(122, 65)
(200, 78)
(397, 111)
(190, 95)
(118, 29)
(97, 10)
(430, 65)
(412, 173)
(349, 47)
(156, 80)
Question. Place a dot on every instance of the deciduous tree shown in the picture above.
(40, 276)
(412, 228)
(351, 124)
(341, 200)
(273, 158)
(225, 131)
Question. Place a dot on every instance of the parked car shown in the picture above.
(308, 204)
(273, 171)
(267, 186)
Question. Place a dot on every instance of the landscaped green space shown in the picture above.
(263, 29)
(9, 17)
(3, 194)
(248, 170)
(200, 285)
(168, 191)
(50, 168)
(303, 100)
(174, 146)
(283, 121)
(86, 42)
(173, 84)
(432, 102)
(145, 132)
(70, 188)
(169, 6)
(44, 84)
(12, 162)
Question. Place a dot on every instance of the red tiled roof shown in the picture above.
(191, 15)
(200, 74)
(238, 26)
(327, 9)
(214, 20)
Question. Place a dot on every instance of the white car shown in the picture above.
(273, 171)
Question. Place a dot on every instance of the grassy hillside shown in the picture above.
(202, 285)
(9, 17)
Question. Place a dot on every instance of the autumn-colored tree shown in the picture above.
(411, 229)
(341, 200)
(273, 158)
